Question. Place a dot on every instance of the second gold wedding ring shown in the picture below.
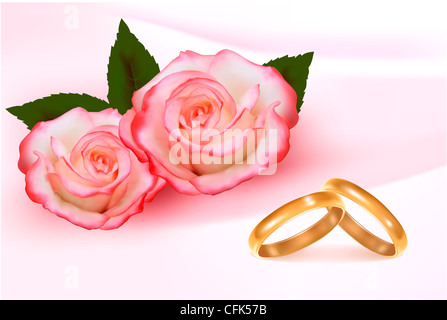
(378, 210)
(323, 199)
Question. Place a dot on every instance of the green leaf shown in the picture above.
(130, 67)
(55, 105)
(295, 71)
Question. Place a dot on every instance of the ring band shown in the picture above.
(378, 210)
(322, 199)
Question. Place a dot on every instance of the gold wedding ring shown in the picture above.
(378, 210)
(329, 197)
(322, 199)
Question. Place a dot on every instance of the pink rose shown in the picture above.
(208, 122)
(77, 167)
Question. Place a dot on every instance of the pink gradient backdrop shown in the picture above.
(373, 126)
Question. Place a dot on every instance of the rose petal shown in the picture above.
(179, 184)
(96, 202)
(59, 150)
(233, 138)
(76, 184)
(136, 207)
(249, 98)
(271, 148)
(280, 138)
(40, 191)
(68, 129)
(159, 185)
(238, 75)
(107, 117)
(274, 144)
(186, 61)
(126, 136)
(132, 190)
(227, 179)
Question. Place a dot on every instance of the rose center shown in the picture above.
(197, 103)
(102, 161)
(197, 114)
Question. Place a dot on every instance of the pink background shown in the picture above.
(374, 113)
